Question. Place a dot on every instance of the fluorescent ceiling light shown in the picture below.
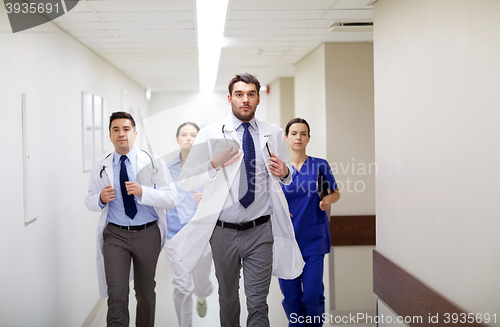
(210, 23)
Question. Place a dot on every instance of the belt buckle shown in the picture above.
(254, 223)
(131, 230)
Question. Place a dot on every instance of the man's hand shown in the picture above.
(198, 196)
(225, 157)
(107, 194)
(133, 188)
(277, 166)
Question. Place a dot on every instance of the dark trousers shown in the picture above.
(120, 247)
(252, 249)
(304, 298)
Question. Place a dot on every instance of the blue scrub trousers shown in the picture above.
(304, 300)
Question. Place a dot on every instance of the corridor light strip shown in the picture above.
(211, 17)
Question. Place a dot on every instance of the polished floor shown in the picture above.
(165, 312)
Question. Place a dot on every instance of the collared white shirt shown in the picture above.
(234, 212)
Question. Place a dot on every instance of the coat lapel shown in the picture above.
(108, 166)
(264, 135)
(142, 160)
(144, 169)
(229, 132)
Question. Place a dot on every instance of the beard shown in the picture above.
(243, 116)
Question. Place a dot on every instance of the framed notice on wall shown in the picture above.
(32, 190)
(87, 130)
(94, 137)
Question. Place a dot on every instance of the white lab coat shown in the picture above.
(190, 242)
(158, 191)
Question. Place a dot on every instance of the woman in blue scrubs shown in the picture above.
(186, 283)
(304, 300)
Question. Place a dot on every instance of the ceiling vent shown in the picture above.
(358, 27)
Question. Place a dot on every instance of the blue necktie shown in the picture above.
(249, 172)
(128, 200)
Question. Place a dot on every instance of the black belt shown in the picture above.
(242, 226)
(135, 228)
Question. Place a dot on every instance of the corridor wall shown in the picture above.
(48, 274)
(437, 77)
(281, 101)
(334, 93)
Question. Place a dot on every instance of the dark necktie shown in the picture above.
(128, 200)
(247, 176)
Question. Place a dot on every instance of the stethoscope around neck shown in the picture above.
(154, 169)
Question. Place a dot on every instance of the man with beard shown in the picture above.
(241, 162)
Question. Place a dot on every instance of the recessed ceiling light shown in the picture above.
(211, 17)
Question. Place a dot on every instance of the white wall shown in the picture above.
(350, 124)
(48, 267)
(353, 278)
(437, 77)
(287, 102)
(310, 98)
(334, 93)
(281, 101)
(274, 99)
(351, 153)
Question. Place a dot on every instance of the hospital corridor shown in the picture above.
(344, 152)
(165, 312)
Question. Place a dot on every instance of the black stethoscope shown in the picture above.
(154, 169)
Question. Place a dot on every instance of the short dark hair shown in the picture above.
(245, 78)
(295, 121)
(184, 124)
(121, 115)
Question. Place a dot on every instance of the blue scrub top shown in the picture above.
(187, 205)
(309, 221)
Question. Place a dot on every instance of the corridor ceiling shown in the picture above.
(154, 42)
